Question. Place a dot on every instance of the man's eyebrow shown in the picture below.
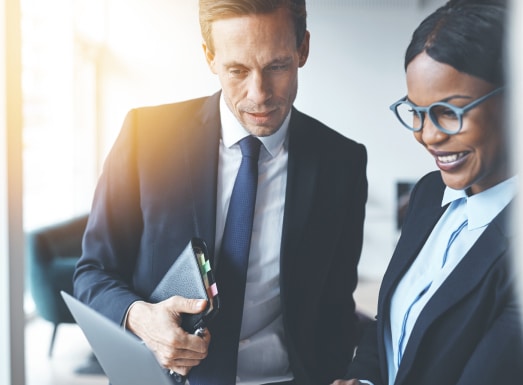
(282, 59)
(233, 64)
(278, 60)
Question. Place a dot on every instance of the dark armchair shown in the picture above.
(52, 253)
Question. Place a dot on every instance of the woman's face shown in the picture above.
(475, 157)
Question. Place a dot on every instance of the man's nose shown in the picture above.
(259, 89)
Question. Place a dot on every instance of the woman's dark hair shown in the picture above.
(467, 35)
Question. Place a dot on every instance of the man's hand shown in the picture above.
(158, 325)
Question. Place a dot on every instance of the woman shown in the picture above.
(447, 313)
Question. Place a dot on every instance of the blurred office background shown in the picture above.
(71, 69)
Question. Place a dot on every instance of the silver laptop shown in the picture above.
(123, 357)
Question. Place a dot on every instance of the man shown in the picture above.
(170, 177)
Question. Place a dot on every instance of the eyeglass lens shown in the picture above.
(444, 117)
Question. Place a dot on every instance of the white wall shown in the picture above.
(355, 71)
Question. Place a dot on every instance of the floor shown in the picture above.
(72, 351)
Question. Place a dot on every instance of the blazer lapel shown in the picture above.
(303, 168)
(424, 212)
(475, 265)
(201, 154)
(416, 232)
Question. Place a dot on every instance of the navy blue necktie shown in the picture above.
(219, 368)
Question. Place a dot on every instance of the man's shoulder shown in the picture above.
(318, 132)
(166, 119)
(188, 105)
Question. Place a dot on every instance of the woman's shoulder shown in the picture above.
(430, 187)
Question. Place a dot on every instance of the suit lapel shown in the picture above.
(415, 233)
(201, 154)
(424, 212)
(302, 174)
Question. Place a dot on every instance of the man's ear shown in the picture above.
(304, 49)
(209, 57)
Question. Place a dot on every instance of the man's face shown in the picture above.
(257, 61)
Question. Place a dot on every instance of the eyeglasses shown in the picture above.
(446, 117)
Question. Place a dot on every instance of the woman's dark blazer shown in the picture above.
(158, 190)
(469, 333)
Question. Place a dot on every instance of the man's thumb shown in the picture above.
(189, 306)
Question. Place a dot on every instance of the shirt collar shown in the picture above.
(482, 208)
(232, 131)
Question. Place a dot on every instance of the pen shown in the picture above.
(178, 378)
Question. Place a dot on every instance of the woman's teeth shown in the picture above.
(450, 158)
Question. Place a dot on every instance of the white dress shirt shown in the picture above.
(262, 354)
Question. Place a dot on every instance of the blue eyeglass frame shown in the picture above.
(423, 111)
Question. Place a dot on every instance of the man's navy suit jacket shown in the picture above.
(158, 190)
(469, 332)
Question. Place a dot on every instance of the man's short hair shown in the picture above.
(212, 10)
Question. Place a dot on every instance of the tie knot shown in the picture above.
(250, 146)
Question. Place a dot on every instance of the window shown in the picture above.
(59, 62)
